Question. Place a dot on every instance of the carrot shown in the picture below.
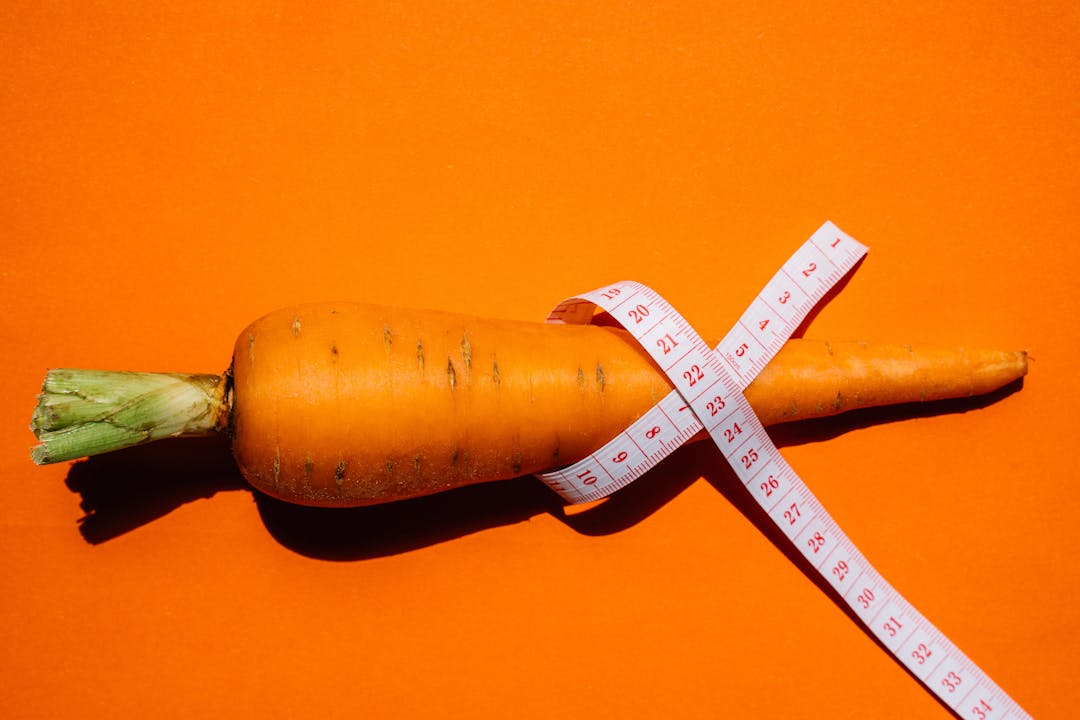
(340, 404)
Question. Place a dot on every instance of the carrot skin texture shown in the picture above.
(809, 379)
(342, 404)
(345, 404)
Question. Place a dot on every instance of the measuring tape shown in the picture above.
(708, 396)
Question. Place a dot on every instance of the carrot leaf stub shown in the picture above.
(88, 412)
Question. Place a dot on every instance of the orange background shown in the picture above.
(171, 172)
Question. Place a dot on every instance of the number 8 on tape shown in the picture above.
(708, 395)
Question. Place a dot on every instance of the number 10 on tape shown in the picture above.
(708, 396)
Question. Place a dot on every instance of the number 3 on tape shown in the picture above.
(708, 396)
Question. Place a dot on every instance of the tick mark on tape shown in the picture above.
(792, 516)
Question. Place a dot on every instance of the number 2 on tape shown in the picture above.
(708, 395)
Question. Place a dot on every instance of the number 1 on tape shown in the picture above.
(708, 395)
(756, 337)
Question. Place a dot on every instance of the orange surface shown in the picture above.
(173, 171)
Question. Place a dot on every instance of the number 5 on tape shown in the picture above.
(708, 395)
(756, 337)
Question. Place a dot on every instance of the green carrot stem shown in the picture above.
(88, 412)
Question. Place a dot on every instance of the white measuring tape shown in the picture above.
(708, 395)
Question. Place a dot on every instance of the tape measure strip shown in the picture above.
(800, 284)
(705, 386)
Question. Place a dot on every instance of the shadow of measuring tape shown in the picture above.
(648, 493)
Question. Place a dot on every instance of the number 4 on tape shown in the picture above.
(708, 395)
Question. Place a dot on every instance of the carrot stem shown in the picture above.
(88, 412)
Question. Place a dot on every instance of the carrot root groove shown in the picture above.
(340, 404)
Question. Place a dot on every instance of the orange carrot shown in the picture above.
(345, 404)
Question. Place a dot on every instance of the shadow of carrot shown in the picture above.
(124, 490)
(127, 489)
